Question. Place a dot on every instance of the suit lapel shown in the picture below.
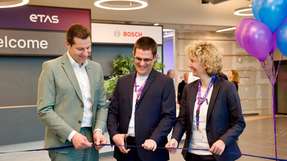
(71, 75)
(92, 81)
(193, 93)
(130, 89)
(148, 83)
(214, 94)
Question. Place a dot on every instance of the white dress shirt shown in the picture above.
(84, 83)
(199, 136)
(139, 82)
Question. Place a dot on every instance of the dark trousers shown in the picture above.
(194, 157)
(132, 155)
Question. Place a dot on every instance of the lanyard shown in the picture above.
(201, 100)
(138, 90)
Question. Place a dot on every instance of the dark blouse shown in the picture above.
(236, 84)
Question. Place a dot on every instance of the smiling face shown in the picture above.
(204, 59)
(196, 66)
(143, 61)
(80, 50)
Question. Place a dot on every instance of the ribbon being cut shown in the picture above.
(129, 146)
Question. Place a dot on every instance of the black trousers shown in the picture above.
(132, 155)
(194, 157)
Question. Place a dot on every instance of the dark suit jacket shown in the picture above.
(236, 84)
(224, 117)
(154, 116)
(180, 88)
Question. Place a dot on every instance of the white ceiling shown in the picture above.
(162, 11)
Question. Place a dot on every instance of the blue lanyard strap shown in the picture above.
(201, 100)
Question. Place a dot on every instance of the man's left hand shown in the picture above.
(99, 139)
(149, 144)
(217, 147)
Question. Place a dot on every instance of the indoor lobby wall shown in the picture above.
(255, 89)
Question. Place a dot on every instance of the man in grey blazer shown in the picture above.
(71, 101)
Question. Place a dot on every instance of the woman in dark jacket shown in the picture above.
(233, 76)
(210, 111)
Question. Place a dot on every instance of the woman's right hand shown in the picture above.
(172, 145)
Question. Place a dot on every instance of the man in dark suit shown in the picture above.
(181, 86)
(142, 109)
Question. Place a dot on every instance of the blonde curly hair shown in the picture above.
(208, 55)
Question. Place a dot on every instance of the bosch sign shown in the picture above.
(132, 34)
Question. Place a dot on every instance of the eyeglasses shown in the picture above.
(146, 60)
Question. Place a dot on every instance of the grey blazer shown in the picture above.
(60, 104)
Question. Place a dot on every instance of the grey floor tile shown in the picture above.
(257, 139)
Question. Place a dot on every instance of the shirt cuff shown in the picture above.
(98, 130)
(71, 135)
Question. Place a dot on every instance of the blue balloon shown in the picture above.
(256, 6)
(281, 38)
(273, 12)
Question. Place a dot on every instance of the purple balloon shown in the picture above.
(257, 40)
(240, 29)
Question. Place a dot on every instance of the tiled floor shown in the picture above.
(257, 139)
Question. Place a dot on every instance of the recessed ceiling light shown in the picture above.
(121, 4)
(245, 11)
(13, 3)
(226, 29)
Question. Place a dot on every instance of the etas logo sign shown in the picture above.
(42, 18)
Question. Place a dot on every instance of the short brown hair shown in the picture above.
(146, 43)
(78, 31)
